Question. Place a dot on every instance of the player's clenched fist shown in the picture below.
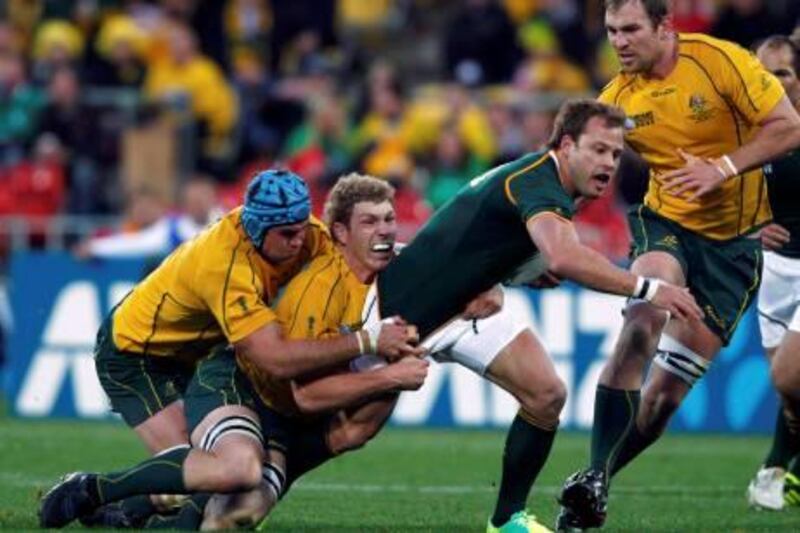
(392, 338)
(408, 373)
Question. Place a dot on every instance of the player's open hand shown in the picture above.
(698, 177)
(398, 339)
(773, 236)
(484, 305)
(408, 373)
(678, 301)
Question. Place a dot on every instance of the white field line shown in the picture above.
(20, 480)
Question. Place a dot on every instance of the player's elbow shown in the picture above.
(277, 365)
(279, 368)
(558, 263)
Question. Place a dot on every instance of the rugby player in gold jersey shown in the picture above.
(705, 115)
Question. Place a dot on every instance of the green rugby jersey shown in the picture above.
(783, 184)
(474, 241)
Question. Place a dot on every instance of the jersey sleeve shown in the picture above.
(609, 93)
(312, 303)
(234, 296)
(752, 89)
(532, 195)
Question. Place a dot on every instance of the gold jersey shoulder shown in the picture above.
(324, 300)
(709, 105)
(214, 287)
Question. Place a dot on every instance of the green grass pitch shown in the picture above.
(437, 481)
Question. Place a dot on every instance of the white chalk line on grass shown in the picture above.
(663, 490)
(21, 480)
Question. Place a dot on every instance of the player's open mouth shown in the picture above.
(382, 247)
(603, 178)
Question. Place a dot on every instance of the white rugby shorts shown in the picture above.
(778, 298)
(471, 343)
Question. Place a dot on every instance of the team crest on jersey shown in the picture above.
(700, 108)
(670, 241)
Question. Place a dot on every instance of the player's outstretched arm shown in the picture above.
(341, 390)
(556, 238)
(283, 358)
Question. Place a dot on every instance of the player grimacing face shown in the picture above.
(637, 43)
(283, 243)
(593, 160)
(780, 62)
(368, 240)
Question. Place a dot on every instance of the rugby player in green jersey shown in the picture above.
(501, 221)
(779, 298)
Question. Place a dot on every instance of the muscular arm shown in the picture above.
(555, 237)
(777, 134)
(336, 391)
(283, 358)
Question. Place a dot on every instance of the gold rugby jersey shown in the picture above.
(213, 288)
(323, 301)
(709, 105)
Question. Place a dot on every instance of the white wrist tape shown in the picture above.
(729, 164)
(652, 289)
(373, 333)
(646, 288)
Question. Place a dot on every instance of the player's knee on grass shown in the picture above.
(238, 467)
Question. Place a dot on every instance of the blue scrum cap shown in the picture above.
(274, 198)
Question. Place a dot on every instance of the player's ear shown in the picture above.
(339, 232)
(666, 28)
(567, 142)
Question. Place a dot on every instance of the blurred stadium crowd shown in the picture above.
(117, 114)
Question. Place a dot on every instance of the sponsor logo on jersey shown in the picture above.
(640, 120)
(659, 93)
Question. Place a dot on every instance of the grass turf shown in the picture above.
(411, 480)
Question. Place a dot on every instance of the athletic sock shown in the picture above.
(137, 508)
(634, 444)
(526, 450)
(614, 417)
(162, 474)
(188, 517)
(306, 453)
(784, 443)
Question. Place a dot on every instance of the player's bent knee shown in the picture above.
(546, 402)
(786, 380)
(643, 325)
(239, 470)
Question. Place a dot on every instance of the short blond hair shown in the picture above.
(350, 190)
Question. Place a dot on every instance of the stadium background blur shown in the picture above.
(112, 112)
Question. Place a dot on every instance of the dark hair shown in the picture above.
(575, 114)
(350, 190)
(657, 10)
(775, 42)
